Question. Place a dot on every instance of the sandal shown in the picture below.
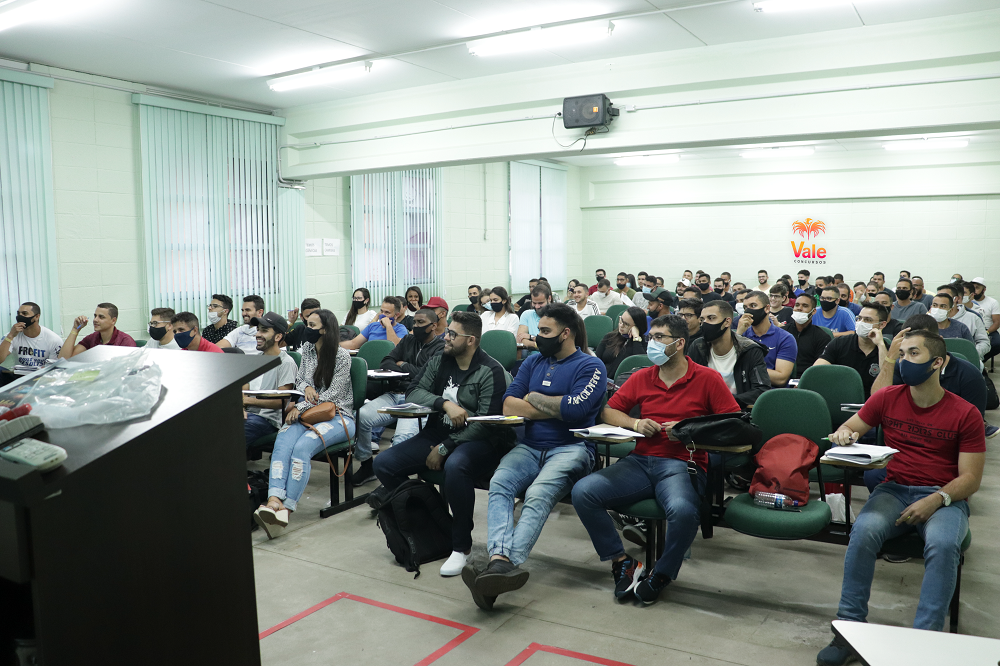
(271, 514)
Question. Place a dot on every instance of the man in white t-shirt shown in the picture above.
(161, 332)
(582, 303)
(33, 343)
(245, 337)
(263, 417)
(990, 311)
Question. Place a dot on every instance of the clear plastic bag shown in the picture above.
(112, 391)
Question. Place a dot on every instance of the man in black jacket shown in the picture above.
(740, 361)
(410, 355)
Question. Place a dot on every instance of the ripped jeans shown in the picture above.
(294, 448)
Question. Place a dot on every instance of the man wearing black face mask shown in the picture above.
(845, 299)
(832, 316)
(904, 307)
(782, 350)
(720, 291)
(705, 289)
(33, 343)
(804, 286)
(410, 355)
(161, 333)
(740, 361)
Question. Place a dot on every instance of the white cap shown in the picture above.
(979, 280)
(685, 282)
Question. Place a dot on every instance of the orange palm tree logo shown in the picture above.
(808, 228)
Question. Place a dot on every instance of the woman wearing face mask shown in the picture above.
(499, 315)
(324, 377)
(414, 300)
(360, 315)
(628, 340)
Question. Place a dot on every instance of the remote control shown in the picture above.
(40, 455)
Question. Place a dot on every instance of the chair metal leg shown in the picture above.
(661, 537)
(650, 543)
(953, 628)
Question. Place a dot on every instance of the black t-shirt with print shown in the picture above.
(844, 350)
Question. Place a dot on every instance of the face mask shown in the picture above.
(392, 319)
(655, 351)
(496, 307)
(844, 302)
(800, 317)
(903, 294)
(802, 283)
(213, 317)
(939, 314)
(862, 328)
(758, 315)
(548, 346)
(703, 286)
(357, 305)
(420, 331)
(719, 290)
(712, 332)
(23, 320)
(646, 290)
(184, 339)
(157, 333)
(312, 335)
(740, 309)
(473, 299)
(828, 306)
(915, 374)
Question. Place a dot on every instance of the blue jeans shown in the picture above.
(256, 426)
(544, 477)
(636, 478)
(369, 419)
(943, 535)
(294, 448)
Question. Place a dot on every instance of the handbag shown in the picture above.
(321, 413)
(733, 429)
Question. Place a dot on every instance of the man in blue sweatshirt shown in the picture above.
(557, 389)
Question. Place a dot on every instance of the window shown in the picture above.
(396, 232)
(537, 223)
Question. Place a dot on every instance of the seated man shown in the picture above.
(161, 333)
(296, 336)
(941, 306)
(781, 314)
(460, 382)
(410, 355)
(782, 349)
(582, 303)
(671, 390)
(623, 289)
(540, 296)
(740, 361)
(810, 340)
(261, 416)
(905, 307)
(522, 303)
(939, 465)
(219, 323)
(719, 287)
(33, 343)
(245, 337)
(440, 308)
(605, 297)
(689, 309)
(972, 321)
(185, 326)
(705, 292)
(105, 333)
(837, 319)
(385, 326)
(892, 326)
(559, 388)
(858, 349)
(845, 299)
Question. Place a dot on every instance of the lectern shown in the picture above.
(137, 550)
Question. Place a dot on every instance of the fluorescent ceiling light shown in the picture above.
(926, 144)
(320, 76)
(797, 151)
(648, 160)
(797, 5)
(28, 11)
(541, 38)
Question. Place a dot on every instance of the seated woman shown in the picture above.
(499, 315)
(414, 301)
(360, 314)
(324, 377)
(628, 340)
(570, 299)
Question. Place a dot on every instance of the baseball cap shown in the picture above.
(436, 302)
(685, 282)
(271, 320)
(659, 294)
(979, 280)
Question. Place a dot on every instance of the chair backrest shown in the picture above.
(597, 327)
(141, 343)
(798, 411)
(297, 357)
(630, 363)
(354, 329)
(298, 324)
(955, 354)
(232, 350)
(502, 346)
(615, 312)
(837, 384)
(374, 351)
(963, 347)
(825, 330)
(359, 381)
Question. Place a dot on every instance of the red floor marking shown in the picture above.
(537, 647)
(466, 630)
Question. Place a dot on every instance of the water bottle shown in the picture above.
(774, 501)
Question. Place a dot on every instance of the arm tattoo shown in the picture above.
(546, 404)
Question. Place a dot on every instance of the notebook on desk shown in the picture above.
(860, 454)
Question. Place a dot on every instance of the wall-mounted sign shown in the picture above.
(331, 247)
(806, 253)
(313, 247)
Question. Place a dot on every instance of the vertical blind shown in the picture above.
(215, 219)
(537, 225)
(28, 269)
(396, 232)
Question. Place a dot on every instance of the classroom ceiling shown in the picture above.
(227, 49)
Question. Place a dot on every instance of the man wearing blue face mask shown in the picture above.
(673, 389)
(941, 452)
(385, 327)
(186, 335)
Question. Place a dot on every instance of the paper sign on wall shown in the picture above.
(331, 247)
(313, 248)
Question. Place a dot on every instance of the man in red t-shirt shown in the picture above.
(671, 390)
(187, 335)
(942, 448)
(105, 332)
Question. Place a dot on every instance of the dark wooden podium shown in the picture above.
(137, 550)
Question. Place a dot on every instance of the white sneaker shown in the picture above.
(374, 447)
(454, 564)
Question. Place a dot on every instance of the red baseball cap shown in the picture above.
(436, 302)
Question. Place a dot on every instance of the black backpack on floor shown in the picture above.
(416, 523)
(257, 483)
(992, 399)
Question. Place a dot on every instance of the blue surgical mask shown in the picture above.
(646, 290)
(184, 339)
(656, 352)
(915, 374)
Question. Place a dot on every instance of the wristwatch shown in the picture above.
(946, 496)
(443, 451)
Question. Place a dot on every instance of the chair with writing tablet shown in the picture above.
(359, 381)
(501, 346)
(615, 312)
(597, 327)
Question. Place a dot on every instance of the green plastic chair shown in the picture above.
(353, 329)
(615, 312)
(631, 363)
(800, 412)
(297, 357)
(359, 383)
(837, 384)
(960, 355)
(374, 351)
(597, 327)
(652, 514)
(141, 343)
(502, 346)
(825, 330)
(963, 347)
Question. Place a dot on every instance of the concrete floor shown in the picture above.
(739, 600)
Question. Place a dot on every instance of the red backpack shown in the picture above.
(783, 465)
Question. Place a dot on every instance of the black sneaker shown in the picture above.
(837, 653)
(649, 588)
(469, 575)
(636, 534)
(895, 559)
(500, 576)
(627, 574)
(365, 474)
(737, 482)
(618, 519)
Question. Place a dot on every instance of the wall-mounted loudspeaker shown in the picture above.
(587, 111)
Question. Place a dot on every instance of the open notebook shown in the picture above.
(605, 430)
(860, 454)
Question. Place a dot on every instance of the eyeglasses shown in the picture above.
(451, 335)
(687, 315)
(661, 338)
(213, 306)
(866, 320)
(154, 322)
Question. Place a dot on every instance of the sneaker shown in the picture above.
(627, 574)
(469, 577)
(618, 520)
(375, 447)
(895, 559)
(636, 534)
(649, 588)
(837, 653)
(365, 473)
(991, 431)
(454, 564)
(500, 576)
